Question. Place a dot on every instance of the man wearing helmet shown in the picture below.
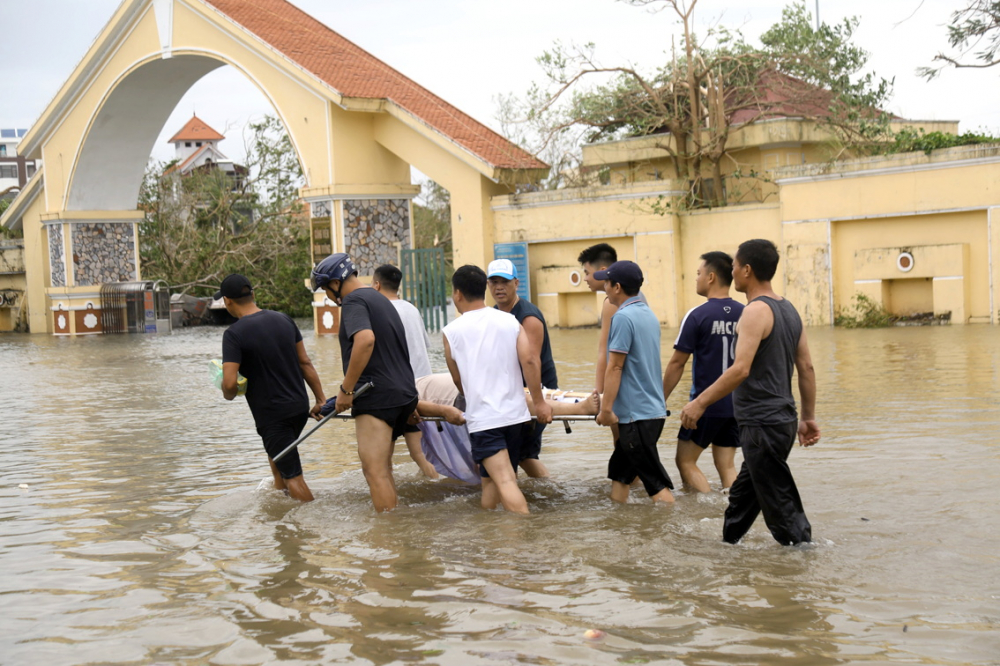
(373, 349)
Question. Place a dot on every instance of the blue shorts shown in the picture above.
(714, 430)
(532, 446)
(487, 443)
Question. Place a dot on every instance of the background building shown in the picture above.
(15, 171)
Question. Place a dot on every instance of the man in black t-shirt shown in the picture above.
(502, 280)
(373, 349)
(266, 347)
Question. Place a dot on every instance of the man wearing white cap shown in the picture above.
(501, 278)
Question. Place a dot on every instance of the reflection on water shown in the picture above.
(140, 536)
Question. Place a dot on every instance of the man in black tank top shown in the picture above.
(502, 281)
(770, 343)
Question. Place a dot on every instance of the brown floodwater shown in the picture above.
(132, 529)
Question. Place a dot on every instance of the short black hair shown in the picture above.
(470, 281)
(721, 264)
(388, 275)
(243, 300)
(761, 255)
(601, 254)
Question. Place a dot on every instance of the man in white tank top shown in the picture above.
(488, 352)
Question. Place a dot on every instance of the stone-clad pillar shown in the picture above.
(87, 249)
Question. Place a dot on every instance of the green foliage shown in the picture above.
(909, 140)
(975, 26)
(863, 313)
(203, 226)
(708, 85)
(432, 220)
(827, 59)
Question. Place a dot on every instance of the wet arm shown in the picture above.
(535, 330)
(673, 373)
(612, 382)
(361, 353)
(608, 310)
(229, 377)
(531, 368)
(456, 376)
(310, 375)
(808, 428)
(807, 379)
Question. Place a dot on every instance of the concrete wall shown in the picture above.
(840, 228)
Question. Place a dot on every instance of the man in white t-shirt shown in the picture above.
(487, 352)
(386, 282)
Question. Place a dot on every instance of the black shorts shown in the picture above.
(532, 440)
(277, 435)
(636, 455)
(396, 417)
(487, 443)
(714, 430)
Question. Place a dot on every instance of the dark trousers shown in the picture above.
(765, 485)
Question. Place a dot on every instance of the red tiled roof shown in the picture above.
(196, 129)
(782, 96)
(353, 72)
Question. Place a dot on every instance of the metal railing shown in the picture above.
(135, 307)
(425, 284)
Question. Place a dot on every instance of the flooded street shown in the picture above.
(132, 529)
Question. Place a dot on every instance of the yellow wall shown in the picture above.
(722, 229)
(838, 234)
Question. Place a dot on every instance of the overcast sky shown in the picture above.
(468, 51)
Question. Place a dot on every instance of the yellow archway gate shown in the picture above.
(356, 124)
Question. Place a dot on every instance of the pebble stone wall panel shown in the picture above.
(103, 252)
(372, 227)
(57, 266)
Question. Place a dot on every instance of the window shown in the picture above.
(187, 144)
(30, 169)
(3, 150)
(8, 171)
(198, 145)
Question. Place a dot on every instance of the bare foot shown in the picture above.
(591, 404)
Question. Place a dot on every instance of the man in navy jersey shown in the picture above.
(709, 332)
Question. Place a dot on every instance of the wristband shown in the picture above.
(345, 391)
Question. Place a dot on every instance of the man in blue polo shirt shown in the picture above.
(633, 390)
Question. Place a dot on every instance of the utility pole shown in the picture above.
(817, 15)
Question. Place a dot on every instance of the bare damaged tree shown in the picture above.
(200, 227)
(692, 104)
(975, 26)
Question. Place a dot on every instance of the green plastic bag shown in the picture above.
(215, 369)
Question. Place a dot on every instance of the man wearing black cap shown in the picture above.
(633, 390)
(266, 347)
(373, 349)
